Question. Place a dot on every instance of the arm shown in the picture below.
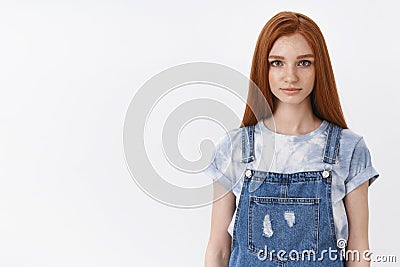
(219, 243)
(356, 204)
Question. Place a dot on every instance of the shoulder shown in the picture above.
(358, 162)
(229, 145)
(352, 145)
(225, 166)
(350, 138)
(230, 138)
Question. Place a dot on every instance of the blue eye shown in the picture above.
(276, 63)
(305, 63)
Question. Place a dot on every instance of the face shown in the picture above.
(291, 69)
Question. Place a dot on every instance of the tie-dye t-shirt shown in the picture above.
(290, 154)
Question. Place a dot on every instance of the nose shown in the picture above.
(290, 75)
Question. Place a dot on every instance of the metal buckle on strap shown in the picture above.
(248, 173)
(327, 171)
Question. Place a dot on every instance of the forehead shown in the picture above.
(294, 44)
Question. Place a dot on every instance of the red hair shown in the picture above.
(324, 97)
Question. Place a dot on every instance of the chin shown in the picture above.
(293, 101)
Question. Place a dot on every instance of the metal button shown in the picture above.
(248, 173)
(325, 174)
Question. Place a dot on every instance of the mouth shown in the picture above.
(291, 91)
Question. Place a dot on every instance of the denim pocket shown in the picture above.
(288, 225)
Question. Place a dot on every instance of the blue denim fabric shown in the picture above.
(291, 187)
(287, 216)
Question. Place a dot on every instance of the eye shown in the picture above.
(276, 63)
(305, 63)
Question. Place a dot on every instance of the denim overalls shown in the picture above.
(287, 220)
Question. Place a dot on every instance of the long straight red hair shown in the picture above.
(324, 97)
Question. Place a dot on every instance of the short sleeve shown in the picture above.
(361, 169)
(221, 160)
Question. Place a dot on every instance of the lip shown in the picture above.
(291, 91)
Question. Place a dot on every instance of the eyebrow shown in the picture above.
(299, 57)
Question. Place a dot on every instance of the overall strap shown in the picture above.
(332, 144)
(248, 144)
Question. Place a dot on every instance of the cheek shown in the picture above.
(309, 77)
(273, 78)
(312, 78)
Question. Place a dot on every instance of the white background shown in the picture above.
(68, 71)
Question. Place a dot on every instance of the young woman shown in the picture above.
(301, 200)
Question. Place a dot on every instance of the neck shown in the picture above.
(293, 119)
